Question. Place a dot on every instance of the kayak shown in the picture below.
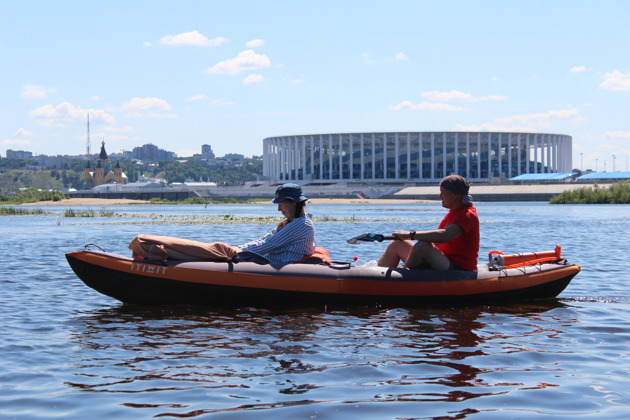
(138, 281)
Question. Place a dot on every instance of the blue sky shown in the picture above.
(180, 74)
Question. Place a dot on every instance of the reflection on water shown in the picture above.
(70, 352)
(255, 359)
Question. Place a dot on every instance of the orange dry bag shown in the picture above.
(499, 260)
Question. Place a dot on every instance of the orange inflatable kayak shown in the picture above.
(173, 282)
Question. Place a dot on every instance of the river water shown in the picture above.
(67, 351)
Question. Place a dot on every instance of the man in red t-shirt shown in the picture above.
(455, 243)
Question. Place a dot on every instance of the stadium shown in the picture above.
(413, 157)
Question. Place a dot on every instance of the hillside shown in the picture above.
(14, 179)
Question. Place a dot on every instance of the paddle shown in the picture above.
(369, 237)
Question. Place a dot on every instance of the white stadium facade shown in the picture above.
(413, 157)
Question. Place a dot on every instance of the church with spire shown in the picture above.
(103, 172)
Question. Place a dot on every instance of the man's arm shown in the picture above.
(437, 236)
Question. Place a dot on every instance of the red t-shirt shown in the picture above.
(464, 249)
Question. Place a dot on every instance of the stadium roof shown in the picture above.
(542, 177)
(605, 175)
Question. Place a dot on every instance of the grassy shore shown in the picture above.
(617, 193)
(31, 195)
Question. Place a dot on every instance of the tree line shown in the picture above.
(22, 173)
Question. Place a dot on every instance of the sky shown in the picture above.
(179, 74)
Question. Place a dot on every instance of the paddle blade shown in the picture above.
(366, 237)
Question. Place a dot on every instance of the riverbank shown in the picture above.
(346, 193)
(118, 201)
(418, 194)
(86, 202)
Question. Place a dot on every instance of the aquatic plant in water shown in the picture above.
(16, 211)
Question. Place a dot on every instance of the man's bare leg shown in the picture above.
(427, 252)
(395, 252)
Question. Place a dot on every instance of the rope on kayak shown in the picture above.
(92, 244)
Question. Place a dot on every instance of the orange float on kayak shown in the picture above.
(499, 260)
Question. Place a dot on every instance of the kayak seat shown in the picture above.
(320, 256)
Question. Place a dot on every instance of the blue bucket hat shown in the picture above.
(289, 191)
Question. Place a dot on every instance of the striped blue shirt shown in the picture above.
(287, 245)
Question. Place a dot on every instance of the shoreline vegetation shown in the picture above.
(169, 219)
(33, 197)
(617, 193)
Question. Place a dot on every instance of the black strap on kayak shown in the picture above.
(248, 256)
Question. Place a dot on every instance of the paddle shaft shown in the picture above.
(369, 237)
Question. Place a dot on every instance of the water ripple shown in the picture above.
(70, 352)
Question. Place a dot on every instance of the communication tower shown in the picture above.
(88, 135)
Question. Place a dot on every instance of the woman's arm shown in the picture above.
(297, 230)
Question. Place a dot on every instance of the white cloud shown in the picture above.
(95, 98)
(426, 106)
(296, 81)
(127, 129)
(16, 143)
(108, 139)
(397, 57)
(196, 98)
(151, 107)
(192, 38)
(186, 152)
(578, 69)
(492, 127)
(542, 119)
(616, 80)
(255, 43)
(36, 91)
(455, 95)
(253, 78)
(525, 122)
(147, 44)
(67, 114)
(244, 61)
(617, 134)
(221, 101)
(23, 133)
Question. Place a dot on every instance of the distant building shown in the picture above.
(206, 152)
(419, 157)
(103, 173)
(151, 153)
(207, 155)
(51, 162)
(232, 159)
(18, 154)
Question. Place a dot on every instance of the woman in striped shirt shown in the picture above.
(292, 240)
(294, 237)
